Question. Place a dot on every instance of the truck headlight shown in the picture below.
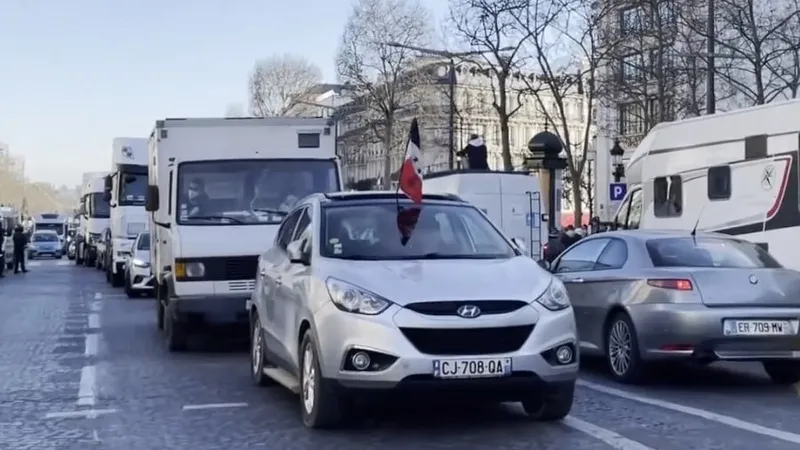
(555, 297)
(189, 270)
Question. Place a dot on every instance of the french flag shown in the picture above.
(410, 179)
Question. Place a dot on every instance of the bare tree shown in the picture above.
(750, 33)
(568, 54)
(276, 81)
(490, 27)
(382, 76)
(787, 67)
(234, 110)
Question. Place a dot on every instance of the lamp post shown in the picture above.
(617, 152)
(546, 149)
(591, 156)
(451, 82)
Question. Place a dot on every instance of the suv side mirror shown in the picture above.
(520, 245)
(296, 254)
(151, 202)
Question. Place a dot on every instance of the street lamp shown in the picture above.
(451, 81)
(546, 149)
(591, 156)
(617, 153)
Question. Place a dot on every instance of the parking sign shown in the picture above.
(617, 191)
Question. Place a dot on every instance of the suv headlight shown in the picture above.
(354, 299)
(555, 297)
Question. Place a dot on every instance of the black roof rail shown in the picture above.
(384, 195)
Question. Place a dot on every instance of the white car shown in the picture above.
(138, 275)
(365, 295)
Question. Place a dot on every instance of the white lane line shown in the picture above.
(63, 263)
(95, 436)
(85, 414)
(609, 437)
(86, 392)
(697, 412)
(98, 295)
(213, 406)
(92, 346)
(94, 320)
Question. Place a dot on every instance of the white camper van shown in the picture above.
(125, 189)
(53, 222)
(512, 200)
(735, 173)
(219, 189)
(95, 218)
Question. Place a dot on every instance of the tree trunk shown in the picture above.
(577, 196)
(505, 144)
(387, 154)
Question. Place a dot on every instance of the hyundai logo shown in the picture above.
(469, 311)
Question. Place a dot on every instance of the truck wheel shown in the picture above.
(177, 337)
(159, 315)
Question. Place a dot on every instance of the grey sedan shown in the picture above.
(657, 296)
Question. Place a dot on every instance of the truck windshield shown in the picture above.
(132, 188)
(98, 208)
(243, 192)
(57, 227)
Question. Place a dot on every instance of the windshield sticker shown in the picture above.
(333, 241)
(184, 212)
(337, 247)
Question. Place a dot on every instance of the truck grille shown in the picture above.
(468, 341)
(241, 267)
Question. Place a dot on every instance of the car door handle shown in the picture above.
(574, 280)
(263, 272)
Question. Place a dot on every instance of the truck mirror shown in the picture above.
(107, 196)
(130, 179)
(151, 202)
(108, 184)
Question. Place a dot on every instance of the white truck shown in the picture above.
(125, 189)
(94, 212)
(218, 190)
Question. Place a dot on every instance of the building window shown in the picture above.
(668, 196)
(631, 68)
(630, 21)
(666, 14)
(719, 182)
(631, 119)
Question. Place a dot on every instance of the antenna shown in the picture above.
(697, 222)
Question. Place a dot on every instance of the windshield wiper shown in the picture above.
(277, 212)
(232, 219)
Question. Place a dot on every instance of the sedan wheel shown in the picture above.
(783, 372)
(622, 350)
(309, 387)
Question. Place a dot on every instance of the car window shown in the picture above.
(302, 224)
(582, 256)
(381, 231)
(614, 255)
(144, 242)
(286, 230)
(708, 252)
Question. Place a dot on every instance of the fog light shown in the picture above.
(360, 360)
(564, 354)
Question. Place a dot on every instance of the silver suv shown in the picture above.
(367, 293)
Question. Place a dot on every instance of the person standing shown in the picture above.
(2, 250)
(20, 240)
(476, 153)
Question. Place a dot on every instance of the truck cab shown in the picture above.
(125, 188)
(95, 213)
(218, 191)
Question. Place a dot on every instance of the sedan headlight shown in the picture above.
(139, 263)
(555, 297)
(354, 299)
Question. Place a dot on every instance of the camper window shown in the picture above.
(668, 196)
(719, 182)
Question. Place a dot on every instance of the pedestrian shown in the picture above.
(20, 241)
(476, 153)
(2, 250)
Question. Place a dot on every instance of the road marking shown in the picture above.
(94, 320)
(63, 263)
(34, 263)
(609, 437)
(98, 296)
(84, 414)
(697, 412)
(95, 436)
(92, 346)
(213, 406)
(86, 392)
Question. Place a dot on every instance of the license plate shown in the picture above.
(472, 368)
(757, 327)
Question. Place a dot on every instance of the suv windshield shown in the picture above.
(144, 242)
(708, 252)
(45, 237)
(132, 187)
(98, 208)
(242, 192)
(434, 231)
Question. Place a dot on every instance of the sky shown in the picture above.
(75, 74)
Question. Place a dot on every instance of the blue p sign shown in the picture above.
(617, 191)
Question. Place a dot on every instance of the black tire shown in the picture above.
(9, 266)
(552, 404)
(176, 333)
(330, 408)
(159, 315)
(117, 279)
(258, 358)
(783, 372)
(129, 289)
(636, 370)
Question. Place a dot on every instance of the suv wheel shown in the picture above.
(551, 405)
(321, 403)
(258, 359)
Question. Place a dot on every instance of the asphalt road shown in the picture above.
(83, 367)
